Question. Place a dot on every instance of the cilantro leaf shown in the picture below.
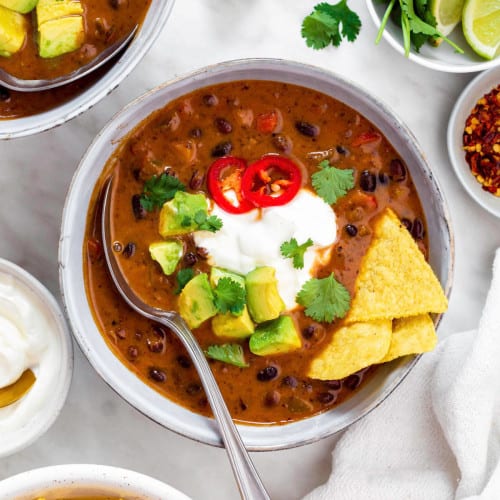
(227, 353)
(293, 250)
(183, 277)
(332, 183)
(323, 26)
(324, 299)
(158, 190)
(229, 296)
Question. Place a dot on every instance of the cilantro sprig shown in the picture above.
(203, 221)
(324, 299)
(291, 249)
(229, 296)
(158, 190)
(332, 183)
(329, 24)
(227, 353)
(183, 277)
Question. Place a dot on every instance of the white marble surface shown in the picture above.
(96, 426)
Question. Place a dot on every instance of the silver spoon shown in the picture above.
(21, 85)
(249, 482)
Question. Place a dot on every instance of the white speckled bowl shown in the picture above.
(144, 398)
(442, 58)
(15, 440)
(151, 27)
(76, 480)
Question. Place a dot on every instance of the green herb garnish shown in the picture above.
(324, 299)
(158, 190)
(229, 296)
(183, 277)
(331, 183)
(227, 353)
(291, 249)
(328, 24)
(206, 222)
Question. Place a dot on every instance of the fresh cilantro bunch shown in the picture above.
(328, 24)
(158, 190)
(331, 183)
(229, 296)
(291, 249)
(228, 353)
(324, 299)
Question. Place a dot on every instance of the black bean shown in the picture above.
(155, 346)
(157, 375)
(417, 230)
(282, 143)
(223, 126)
(137, 209)
(406, 223)
(4, 94)
(397, 170)
(243, 405)
(129, 250)
(222, 149)
(196, 180)
(326, 398)
(202, 253)
(272, 398)
(196, 133)
(184, 361)
(333, 384)
(341, 150)
(383, 178)
(190, 259)
(132, 352)
(352, 381)
(210, 100)
(367, 181)
(307, 129)
(290, 381)
(268, 373)
(193, 389)
(160, 330)
(351, 229)
(308, 331)
(116, 4)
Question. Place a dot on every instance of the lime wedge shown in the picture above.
(481, 26)
(448, 14)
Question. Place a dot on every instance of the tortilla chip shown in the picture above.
(395, 280)
(352, 348)
(411, 336)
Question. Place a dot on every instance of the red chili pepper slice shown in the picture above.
(365, 138)
(271, 181)
(225, 175)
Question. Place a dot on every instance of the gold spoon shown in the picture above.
(17, 390)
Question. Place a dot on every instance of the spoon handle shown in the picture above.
(249, 482)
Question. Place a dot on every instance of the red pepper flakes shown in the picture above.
(481, 141)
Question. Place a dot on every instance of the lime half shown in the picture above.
(448, 14)
(481, 26)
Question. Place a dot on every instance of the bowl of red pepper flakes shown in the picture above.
(474, 139)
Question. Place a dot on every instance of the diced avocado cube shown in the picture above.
(47, 10)
(275, 337)
(167, 254)
(21, 6)
(177, 215)
(217, 273)
(13, 29)
(196, 301)
(59, 36)
(229, 325)
(263, 299)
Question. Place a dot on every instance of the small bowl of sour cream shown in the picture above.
(36, 358)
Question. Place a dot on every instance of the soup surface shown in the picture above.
(247, 120)
(105, 21)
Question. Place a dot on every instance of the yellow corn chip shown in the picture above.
(395, 280)
(352, 348)
(411, 336)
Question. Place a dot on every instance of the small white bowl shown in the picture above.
(40, 421)
(476, 89)
(442, 58)
(83, 479)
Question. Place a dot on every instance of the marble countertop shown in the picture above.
(96, 425)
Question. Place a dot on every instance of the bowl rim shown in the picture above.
(199, 79)
(475, 89)
(424, 61)
(44, 419)
(52, 118)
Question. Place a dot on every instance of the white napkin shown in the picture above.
(438, 435)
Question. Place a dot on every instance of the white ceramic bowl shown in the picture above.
(151, 27)
(443, 58)
(82, 479)
(124, 381)
(37, 423)
(478, 87)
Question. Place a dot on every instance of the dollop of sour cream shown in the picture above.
(253, 239)
(28, 339)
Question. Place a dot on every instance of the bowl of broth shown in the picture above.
(247, 151)
(101, 24)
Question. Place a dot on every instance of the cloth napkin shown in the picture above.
(438, 435)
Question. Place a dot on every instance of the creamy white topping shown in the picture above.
(253, 239)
